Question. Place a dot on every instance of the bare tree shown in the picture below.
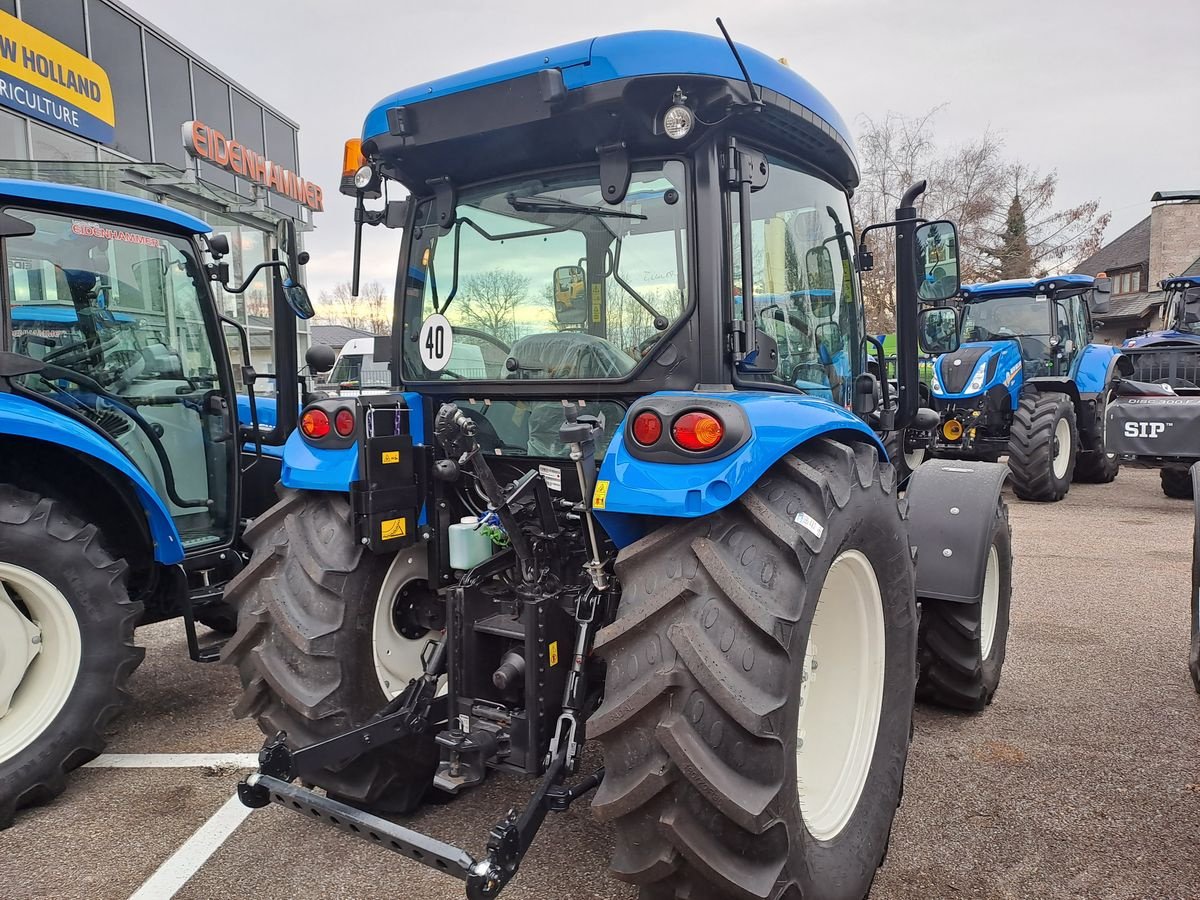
(370, 311)
(972, 184)
(489, 300)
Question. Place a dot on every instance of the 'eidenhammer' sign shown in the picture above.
(212, 146)
(52, 83)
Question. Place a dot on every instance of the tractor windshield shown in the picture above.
(1028, 319)
(539, 278)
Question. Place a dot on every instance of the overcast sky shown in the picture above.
(1106, 92)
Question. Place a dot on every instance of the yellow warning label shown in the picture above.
(596, 302)
(390, 529)
(600, 495)
(554, 653)
(391, 456)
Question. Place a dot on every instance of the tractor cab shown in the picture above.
(1181, 315)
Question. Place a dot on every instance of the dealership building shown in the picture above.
(93, 94)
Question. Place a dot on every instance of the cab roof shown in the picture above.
(1181, 281)
(596, 68)
(100, 202)
(1019, 287)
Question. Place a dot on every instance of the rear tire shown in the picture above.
(305, 642)
(1041, 447)
(709, 664)
(1176, 483)
(961, 645)
(55, 573)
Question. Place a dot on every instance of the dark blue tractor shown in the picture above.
(628, 486)
(122, 491)
(1024, 379)
(1169, 359)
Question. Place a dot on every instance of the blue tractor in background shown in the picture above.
(613, 496)
(1022, 377)
(122, 491)
(1170, 359)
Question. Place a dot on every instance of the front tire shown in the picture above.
(759, 689)
(66, 646)
(961, 646)
(1176, 482)
(1042, 447)
(318, 649)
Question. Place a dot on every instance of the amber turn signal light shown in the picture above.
(697, 431)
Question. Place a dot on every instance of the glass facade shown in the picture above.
(157, 85)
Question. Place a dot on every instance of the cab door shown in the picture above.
(122, 320)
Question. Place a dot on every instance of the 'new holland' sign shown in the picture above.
(52, 83)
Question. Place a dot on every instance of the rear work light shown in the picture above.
(647, 428)
(343, 422)
(697, 431)
(314, 424)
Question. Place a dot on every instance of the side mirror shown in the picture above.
(11, 226)
(1100, 300)
(818, 268)
(936, 249)
(830, 341)
(570, 305)
(937, 330)
(289, 252)
(297, 299)
(319, 358)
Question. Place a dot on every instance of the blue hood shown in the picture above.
(975, 372)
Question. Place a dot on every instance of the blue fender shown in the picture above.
(266, 406)
(309, 468)
(1007, 370)
(25, 418)
(629, 489)
(1095, 368)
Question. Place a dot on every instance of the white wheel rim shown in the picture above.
(841, 696)
(397, 658)
(990, 607)
(40, 653)
(913, 458)
(1062, 447)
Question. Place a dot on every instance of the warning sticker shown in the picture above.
(600, 496)
(390, 529)
(596, 302)
(554, 653)
(390, 456)
(552, 475)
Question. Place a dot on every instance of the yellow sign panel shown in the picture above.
(596, 302)
(554, 653)
(49, 81)
(391, 456)
(390, 529)
(600, 495)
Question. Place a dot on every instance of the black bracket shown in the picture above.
(445, 201)
(615, 171)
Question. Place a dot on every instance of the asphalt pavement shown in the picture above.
(1081, 780)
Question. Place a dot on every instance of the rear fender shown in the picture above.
(26, 418)
(631, 493)
(951, 507)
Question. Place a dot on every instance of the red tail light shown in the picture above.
(647, 428)
(697, 431)
(343, 422)
(314, 424)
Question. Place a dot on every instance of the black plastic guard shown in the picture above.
(1195, 598)
(951, 509)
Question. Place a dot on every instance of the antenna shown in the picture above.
(754, 98)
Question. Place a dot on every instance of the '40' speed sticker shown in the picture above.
(436, 342)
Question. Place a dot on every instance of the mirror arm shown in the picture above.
(271, 264)
(907, 370)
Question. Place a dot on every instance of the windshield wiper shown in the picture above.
(552, 204)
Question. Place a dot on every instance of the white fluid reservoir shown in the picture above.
(469, 546)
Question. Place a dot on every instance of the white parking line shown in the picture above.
(173, 760)
(187, 860)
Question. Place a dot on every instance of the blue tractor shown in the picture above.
(1019, 375)
(121, 485)
(628, 486)
(1171, 357)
